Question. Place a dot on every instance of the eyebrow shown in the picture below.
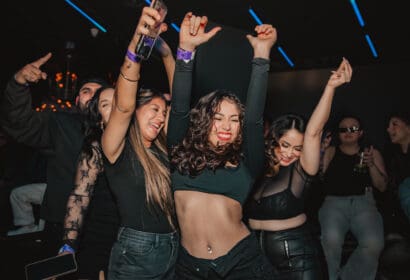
(291, 145)
(236, 115)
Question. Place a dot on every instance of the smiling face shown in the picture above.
(225, 124)
(289, 147)
(399, 131)
(105, 104)
(151, 119)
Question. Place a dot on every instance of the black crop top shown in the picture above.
(279, 197)
(127, 181)
(232, 182)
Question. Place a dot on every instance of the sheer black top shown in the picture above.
(281, 196)
(233, 182)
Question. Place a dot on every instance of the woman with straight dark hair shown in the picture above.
(216, 152)
(276, 208)
(138, 173)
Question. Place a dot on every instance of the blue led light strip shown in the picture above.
(282, 52)
(372, 48)
(86, 16)
(148, 2)
(357, 12)
(175, 27)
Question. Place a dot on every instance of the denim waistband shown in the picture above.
(136, 235)
(223, 264)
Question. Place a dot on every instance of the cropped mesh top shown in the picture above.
(235, 182)
(279, 197)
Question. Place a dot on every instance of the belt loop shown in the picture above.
(156, 242)
(120, 230)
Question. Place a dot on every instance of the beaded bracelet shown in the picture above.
(185, 55)
(133, 57)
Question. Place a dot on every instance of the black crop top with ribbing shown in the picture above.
(340, 179)
(232, 182)
(127, 181)
(279, 197)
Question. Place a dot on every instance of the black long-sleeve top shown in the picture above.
(233, 182)
(58, 131)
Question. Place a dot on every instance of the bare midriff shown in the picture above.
(276, 225)
(210, 224)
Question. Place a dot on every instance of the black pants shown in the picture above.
(244, 261)
(296, 253)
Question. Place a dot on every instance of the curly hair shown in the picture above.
(279, 127)
(195, 152)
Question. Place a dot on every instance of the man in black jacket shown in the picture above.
(59, 131)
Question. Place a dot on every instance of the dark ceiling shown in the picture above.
(314, 34)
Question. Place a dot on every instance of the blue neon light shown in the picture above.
(255, 17)
(148, 2)
(372, 48)
(282, 52)
(357, 12)
(86, 16)
(175, 27)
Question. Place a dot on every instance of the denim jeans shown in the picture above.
(143, 255)
(359, 214)
(243, 262)
(404, 196)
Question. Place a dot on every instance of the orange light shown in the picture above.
(59, 101)
(60, 85)
(43, 106)
(37, 109)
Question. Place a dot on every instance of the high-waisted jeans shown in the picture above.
(244, 261)
(295, 253)
(143, 255)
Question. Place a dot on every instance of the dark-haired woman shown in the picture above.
(91, 202)
(276, 207)
(216, 152)
(138, 173)
(351, 171)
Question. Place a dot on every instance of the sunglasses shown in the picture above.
(352, 129)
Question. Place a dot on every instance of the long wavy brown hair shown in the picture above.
(279, 127)
(156, 173)
(195, 152)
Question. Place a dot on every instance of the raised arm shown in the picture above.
(123, 106)
(17, 117)
(310, 157)
(81, 195)
(253, 145)
(191, 35)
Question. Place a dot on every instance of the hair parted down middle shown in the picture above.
(195, 152)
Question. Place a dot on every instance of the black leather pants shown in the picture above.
(296, 253)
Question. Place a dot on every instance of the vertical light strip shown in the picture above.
(357, 12)
(372, 48)
(86, 16)
(282, 52)
(175, 27)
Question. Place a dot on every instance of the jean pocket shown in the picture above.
(139, 247)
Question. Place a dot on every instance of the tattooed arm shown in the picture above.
(88, 168)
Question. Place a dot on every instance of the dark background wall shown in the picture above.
(373, 93)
